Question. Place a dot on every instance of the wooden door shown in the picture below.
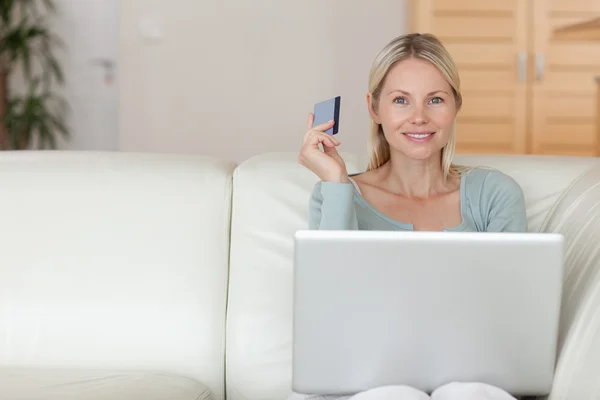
(489, 42)
(563, 99)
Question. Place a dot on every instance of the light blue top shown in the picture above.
(490, 201)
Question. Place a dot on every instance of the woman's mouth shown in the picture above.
(419, 136)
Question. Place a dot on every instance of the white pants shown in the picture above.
(451, 391)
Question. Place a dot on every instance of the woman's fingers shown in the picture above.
(311, 136)
(323, 138)
(310, 121)
(324, 126)
(321, 127)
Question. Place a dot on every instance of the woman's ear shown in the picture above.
(372, 111)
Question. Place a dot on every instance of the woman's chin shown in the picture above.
(422, 156)
(420, 152)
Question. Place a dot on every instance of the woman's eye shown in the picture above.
(400, 100)
(437, 100)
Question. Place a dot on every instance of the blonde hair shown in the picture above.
(414, 45)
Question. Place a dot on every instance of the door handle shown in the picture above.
(522, 66)
(109, 68)
(539, 66)
(105, 63)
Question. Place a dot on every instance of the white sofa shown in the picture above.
(155, 277)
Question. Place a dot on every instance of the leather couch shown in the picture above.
(157, 276)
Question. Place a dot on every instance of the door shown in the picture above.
(564, 87)
(488, 41)
(89, 31)
(526, 91)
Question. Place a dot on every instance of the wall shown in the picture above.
(237, 78)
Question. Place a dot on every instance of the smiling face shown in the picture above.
(416, 109)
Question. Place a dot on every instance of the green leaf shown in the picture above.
(26, 41)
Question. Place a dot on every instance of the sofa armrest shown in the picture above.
(576, 215)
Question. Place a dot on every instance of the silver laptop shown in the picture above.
(424, 309)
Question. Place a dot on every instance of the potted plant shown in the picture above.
(35, 115)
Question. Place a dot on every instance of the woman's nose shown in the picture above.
(419, 116)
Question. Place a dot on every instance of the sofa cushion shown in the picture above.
(50, 384)
(115, 260)
(577, 217)
(270, 203)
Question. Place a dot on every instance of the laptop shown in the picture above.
(423, 309)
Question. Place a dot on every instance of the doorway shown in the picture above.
(90, 34)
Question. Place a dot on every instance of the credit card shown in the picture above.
(326, 111)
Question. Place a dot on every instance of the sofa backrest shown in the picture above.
(116, 261)
(542, 178)
(270, 203)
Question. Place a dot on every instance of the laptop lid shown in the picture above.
(424, 309)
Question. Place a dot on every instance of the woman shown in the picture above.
(411, 182)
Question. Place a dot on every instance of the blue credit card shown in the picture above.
(326, 111)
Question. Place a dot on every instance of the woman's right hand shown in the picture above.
(327, 164)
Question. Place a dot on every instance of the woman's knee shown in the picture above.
(391, 393)
(470, 391)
